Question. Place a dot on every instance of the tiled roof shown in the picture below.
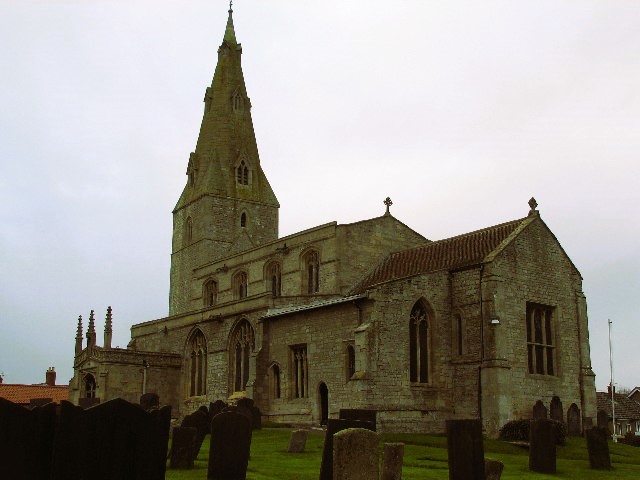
(626, 409)
(451, 253)
(23, 394)
(276, 312)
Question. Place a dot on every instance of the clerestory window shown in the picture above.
(210, 293)
(240, 349)
(311, 273)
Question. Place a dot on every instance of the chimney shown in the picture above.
(609, 389)
(51, 377)
(1, 378)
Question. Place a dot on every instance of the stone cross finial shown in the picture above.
(230, 5)
(533, 205)
(388, 203)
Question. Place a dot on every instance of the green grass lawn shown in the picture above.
(425, 457)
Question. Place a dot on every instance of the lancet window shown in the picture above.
(89, 386)
(419, 344)
(274, 278)
(299, 371)
(210, 293)
(240, 348)
(351, 361)
(274, 381)
(240, 285)
(311, 273)
(197, 351)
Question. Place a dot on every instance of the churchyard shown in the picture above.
(425, 457)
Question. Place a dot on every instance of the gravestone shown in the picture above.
(256, 416)
(230, 446)
(149, 401)
(555, 409)
(215, 408)
(598, 448)
(492, 469)
(297, 441)
(334, 426)
(392, 458)
(465, 449)
(200, 421)
(88, 402)
(542, 446)
(603, 419)
(573, 420)
(359, 414)
(355, 454)
(539, 410)
(183, 447)
(39, 402)
(64, 464)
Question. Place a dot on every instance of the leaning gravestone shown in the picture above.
(539, 410)
(149, 401)
(297, 441)
(392, 458)
(465, 449)
(88, 402)
(542, 446)
(334, 426)
(573, 420)
(555, 409)
(359, 414)
(64, 463)
(492, 469)
(355, 454)
(602, 419)
(200, 421)
(230, 446)
(183, 447)
(598, 448)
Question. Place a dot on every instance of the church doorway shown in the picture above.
(323, 394)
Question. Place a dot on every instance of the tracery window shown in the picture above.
(351, 361)
(240, 285)
(210, 293)
(419, 344)
(274, 278)
(274, 381)
(89, 386)
(240, 348)
(197, 351)
(540, 339)
(299, 371)
(242, 173)
(311, 274)
(188, 231)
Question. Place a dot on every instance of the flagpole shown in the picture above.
(612, 388)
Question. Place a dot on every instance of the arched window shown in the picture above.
(89, 386)
(243, 220)
(240, 284)
(459, 328)
(311, 273)
(210, 293)
(188, 231)
(242, 173)
(274, 278)
(351, 361)
(274, 381)
(197, 351)
(419, 342)
(241, 346)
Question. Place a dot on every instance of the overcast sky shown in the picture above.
(460, 111)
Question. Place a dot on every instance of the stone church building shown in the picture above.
(364, 315)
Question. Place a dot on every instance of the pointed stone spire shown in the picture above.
(107, 329)
(91, 331)
(79, 336)
(229, 33)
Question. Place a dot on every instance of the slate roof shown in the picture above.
(23, 394)
(626, 409)
(452, 253)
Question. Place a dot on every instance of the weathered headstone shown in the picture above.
(555, 409)
(88, 402)
(200, 421)
(230, 446)
(355, 454)
(492, 469)
(598, 448)
(392, 459)
(39, 402)
(256, 416)
(539, 410)
(542, 446)
(334, 426)
(297, 441)
(573, 420)
(465, 449)
(64, 461)
(359, 414)
(603, 419)
(183, 447)
(149, 400)
(215, 408)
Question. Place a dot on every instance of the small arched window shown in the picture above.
(274, 381)
(351, 362)
(197, 354)
(419, 341)
(90, 386)
(240, 285)
(243, 220)
(188, 231)
(311, 273)
(242, 173)
(274, 278)
(210, 293)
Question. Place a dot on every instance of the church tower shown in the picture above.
(227, 204)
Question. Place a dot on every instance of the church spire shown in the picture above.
(230, 33)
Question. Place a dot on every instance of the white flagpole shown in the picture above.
(613, 404)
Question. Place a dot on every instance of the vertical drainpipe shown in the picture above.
(481, 346)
